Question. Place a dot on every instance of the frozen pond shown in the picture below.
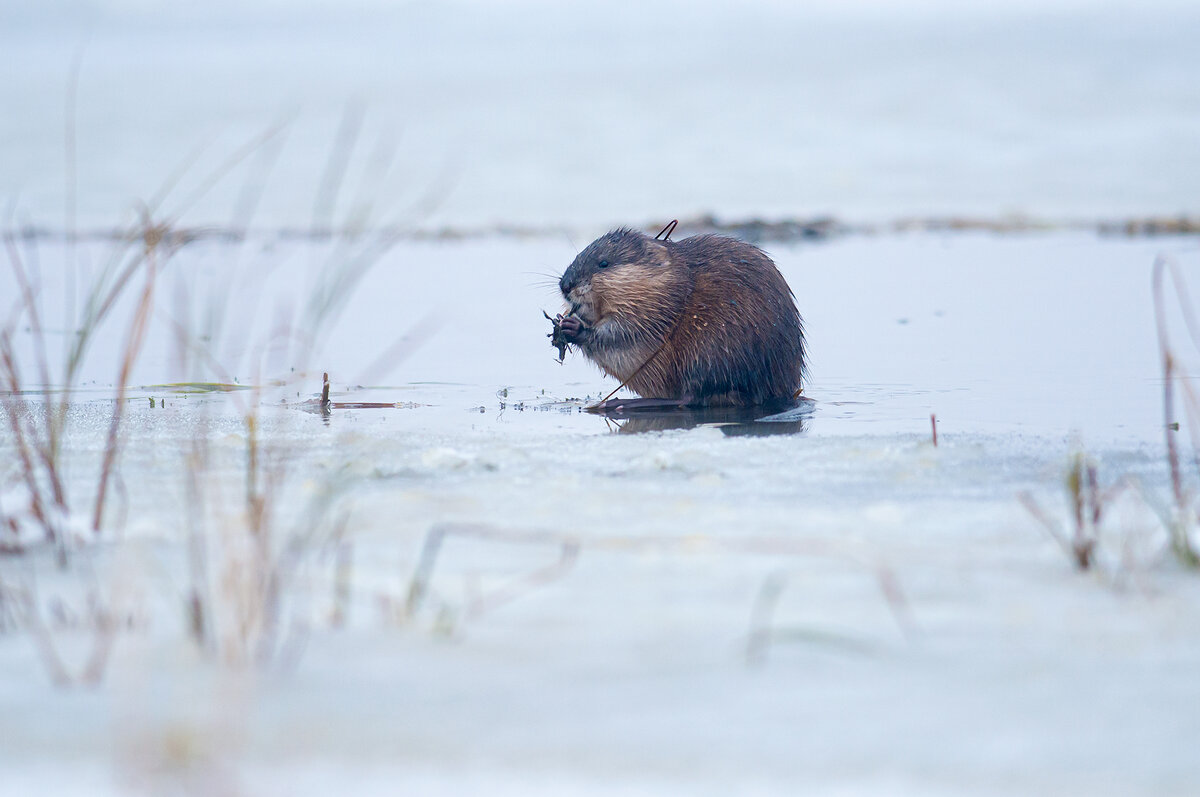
(481, 588)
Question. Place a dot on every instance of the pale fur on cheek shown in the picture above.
(583, 299)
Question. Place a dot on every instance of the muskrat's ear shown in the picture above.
(658, 251)
(656, 248)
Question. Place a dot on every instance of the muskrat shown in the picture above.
(705, 321)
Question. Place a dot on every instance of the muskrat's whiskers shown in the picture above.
(575, 248)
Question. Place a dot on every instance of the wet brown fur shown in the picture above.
(708, 319)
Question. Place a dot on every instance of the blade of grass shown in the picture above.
(133, 346)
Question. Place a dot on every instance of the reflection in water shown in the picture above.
(732, 421)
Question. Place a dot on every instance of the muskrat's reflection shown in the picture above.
(732, 421)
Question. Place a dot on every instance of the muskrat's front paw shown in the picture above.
(565, 331)
(571, 328)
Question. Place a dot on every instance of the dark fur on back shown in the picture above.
(709, 319)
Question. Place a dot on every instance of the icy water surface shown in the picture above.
(1036, 334)
(538, 603)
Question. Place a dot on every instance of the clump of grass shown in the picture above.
(1180, 516)
(46, 509)
(1087, 502)
(49, 514)
(39, 426)
(245, 551)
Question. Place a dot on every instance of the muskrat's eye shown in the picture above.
(603, 264)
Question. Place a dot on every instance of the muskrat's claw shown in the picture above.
(570, 326)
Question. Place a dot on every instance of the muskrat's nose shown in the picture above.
(567, 282)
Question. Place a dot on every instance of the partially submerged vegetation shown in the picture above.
(242, 550)
(46, 509)
(1090, 502)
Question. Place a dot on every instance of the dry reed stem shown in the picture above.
(1180, 525)
(133, 347)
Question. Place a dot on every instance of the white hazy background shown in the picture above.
(537, 113)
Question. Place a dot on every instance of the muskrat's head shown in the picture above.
(614, 274)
